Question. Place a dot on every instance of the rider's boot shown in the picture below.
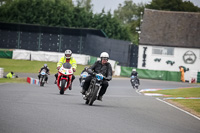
(83, 91)
(70, 87)
(99, 98)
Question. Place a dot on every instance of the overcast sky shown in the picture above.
(98, 5)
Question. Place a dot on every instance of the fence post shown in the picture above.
(39, 41)
(60, 43)
(80, 46)
(18, 39)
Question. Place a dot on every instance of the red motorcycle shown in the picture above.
(64, 77)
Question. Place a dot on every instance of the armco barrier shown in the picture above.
(47, 56)
(55, 57)
(152, 74)
(21, 55)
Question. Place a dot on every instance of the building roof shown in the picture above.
(170, 28)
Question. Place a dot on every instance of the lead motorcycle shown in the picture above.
(43, 77)
(91, 94)
(134, 82)
(64, 77)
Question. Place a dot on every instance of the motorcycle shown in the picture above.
(91, 93)
(43, 77)
(64, 77)
(134, 82)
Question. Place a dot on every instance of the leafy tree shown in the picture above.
(85, 3)
(62, 13)
(189, 7)
(126, 13)
(173, 5)
(5, 1)
(130, 15)
(49, 12)
(110, 25)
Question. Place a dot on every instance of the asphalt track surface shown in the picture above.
(26, 108)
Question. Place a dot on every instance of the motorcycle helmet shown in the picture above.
(134, 70)
(45, 65)
(68, 54)
(104, 55)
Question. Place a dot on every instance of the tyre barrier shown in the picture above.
(33, 81)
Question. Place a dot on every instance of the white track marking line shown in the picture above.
(138, 92)
(178, 108)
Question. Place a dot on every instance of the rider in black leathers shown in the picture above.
(134, 73)
(47, 71)
(103, 67)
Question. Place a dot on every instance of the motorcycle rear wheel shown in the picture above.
(63, 82)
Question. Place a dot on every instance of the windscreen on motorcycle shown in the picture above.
(67, 65)
(132, 76)
(43, 70)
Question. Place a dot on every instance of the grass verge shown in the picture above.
(26, 66)
(190, 105)
(13, 80)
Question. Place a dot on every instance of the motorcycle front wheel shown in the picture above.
(62, 88)
(88, 94)
(42, 81)
(133, 85)
(94, 95)
(87, 101)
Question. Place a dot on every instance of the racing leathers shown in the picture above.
(46, 70)
(134, 73)
(105, 70)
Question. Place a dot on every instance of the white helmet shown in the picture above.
(68, 52)
(104, 55)
(134, 69)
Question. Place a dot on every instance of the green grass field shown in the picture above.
(193, 104)
(182, 92)
(24, 66)
(13, 80)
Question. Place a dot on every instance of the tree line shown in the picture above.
(122, 24)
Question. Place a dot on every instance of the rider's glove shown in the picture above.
(58, 67)
(74, 70)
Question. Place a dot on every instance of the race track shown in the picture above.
(26, 108)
